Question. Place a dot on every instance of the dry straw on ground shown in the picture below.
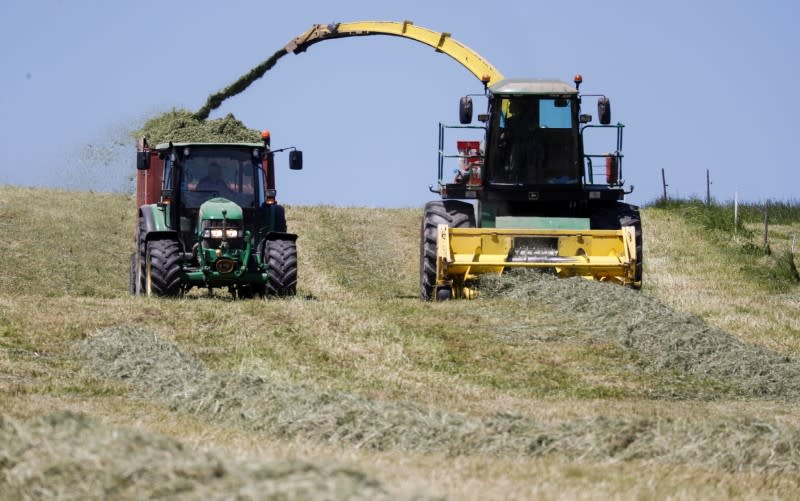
(72, 456)
(157, 369)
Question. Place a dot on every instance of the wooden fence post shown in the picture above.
(766, 226)
(664, 182)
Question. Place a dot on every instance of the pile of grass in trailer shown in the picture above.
(659, 340)
(182, 126)
(72, 456)
(158, 370)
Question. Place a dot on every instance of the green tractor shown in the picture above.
(208, 218)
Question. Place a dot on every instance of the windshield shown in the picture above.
(220, 172)
(533, 141)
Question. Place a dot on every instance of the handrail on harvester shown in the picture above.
(440, 41)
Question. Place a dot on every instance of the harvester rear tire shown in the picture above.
(162, 268)
(453, 213)
(281, 257)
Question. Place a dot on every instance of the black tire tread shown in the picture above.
(165, 267)
(281, 257)
(455, 214)
(614, 218)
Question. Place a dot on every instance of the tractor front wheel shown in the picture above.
(162, 268)
(281, 257)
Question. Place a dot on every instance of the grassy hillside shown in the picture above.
(542, 387)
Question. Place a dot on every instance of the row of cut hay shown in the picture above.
(659, 339)
(301, 412)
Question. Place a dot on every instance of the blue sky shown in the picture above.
(699, 85)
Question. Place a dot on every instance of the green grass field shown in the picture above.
(541, 388)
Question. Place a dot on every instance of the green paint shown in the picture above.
(213, 209)
(543, 223)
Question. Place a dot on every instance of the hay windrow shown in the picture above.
(182, 126)
(72, 456)
(663, 339)
(300, 412)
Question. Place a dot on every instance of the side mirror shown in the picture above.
(465, 110)
(604, 110)
(483, 117)
(295, 159)
(142, 160)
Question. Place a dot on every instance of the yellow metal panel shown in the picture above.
(593, 254)
(440, 41)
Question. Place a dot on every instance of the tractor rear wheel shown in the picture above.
(281, 257)
(162, 268)
(453, 213)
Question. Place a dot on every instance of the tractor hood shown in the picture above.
(213, 209)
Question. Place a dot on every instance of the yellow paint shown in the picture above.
(465, 253)
(440, 41)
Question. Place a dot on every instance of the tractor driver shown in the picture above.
(213, 180)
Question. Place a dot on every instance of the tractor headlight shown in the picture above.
(219, 233)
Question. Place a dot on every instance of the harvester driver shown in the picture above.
(524, 153)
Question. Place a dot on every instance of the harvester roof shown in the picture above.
(517, 86)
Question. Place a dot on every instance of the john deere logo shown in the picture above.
(225, 266)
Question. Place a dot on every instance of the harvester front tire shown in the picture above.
(281, 257)
(616, 217)
(629, 216)
(162, 268)
(453, 213)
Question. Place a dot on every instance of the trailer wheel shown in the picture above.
(162, 268)
(281, 256)
(453, 213)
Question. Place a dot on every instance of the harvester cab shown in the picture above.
(208, 217)
(531, 196)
